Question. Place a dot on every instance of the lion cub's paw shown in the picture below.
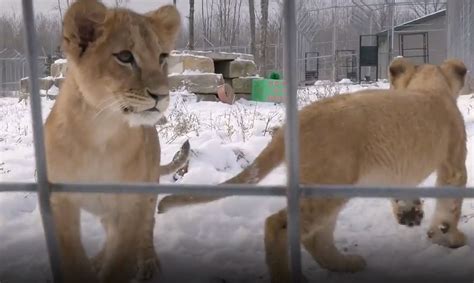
(147, 267)
(408, 213)
(446, 236)
(348, 263)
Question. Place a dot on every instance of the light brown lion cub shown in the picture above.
(376, 137)
(102, 129)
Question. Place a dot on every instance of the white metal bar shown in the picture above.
(292, 140)
(328, 191)
(40, 156)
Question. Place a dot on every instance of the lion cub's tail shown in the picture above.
(179, 159)
(268, 159)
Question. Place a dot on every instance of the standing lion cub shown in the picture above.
(102, 129)
(377, 137)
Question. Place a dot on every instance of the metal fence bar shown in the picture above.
(248, 190)
(40, 156)
(292, 139)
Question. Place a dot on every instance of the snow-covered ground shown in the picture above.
(223, 241)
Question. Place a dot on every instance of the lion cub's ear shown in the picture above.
(455, 71)
(400, 72)
(82, 26)
(166, 23)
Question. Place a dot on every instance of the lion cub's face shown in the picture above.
(118, 58)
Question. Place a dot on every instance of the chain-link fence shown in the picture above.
(460, 32)
(13, 67)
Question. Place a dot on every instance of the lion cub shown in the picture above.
(102, 129)
(376, 137)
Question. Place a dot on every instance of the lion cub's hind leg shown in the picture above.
(318, 220)
(408, 212)
(444, 227)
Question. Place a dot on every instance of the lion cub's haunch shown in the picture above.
(376, 137)
(102, 129)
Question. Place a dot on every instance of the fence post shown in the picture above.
(292, 140)
(38, 136)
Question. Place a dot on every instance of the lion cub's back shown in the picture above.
(401, 134)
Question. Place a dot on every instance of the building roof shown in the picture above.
(440, 13)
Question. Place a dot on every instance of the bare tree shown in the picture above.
(207, 12)
(191, 25)
(252, 27)
(121, 3)
(60, 10)
(424, 7)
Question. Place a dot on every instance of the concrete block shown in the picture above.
(59, 81)
(59, 68)
(196, 83)
(243, 85)
(218, 56)
(44, 84)
(237, 68)
(185, 62)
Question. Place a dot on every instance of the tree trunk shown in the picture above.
(60, 10)
(263, 36)
(174, 2)
(252, 28)
(191, 25)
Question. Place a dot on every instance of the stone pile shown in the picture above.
(203, 72)
(58, 71)
(199, 72)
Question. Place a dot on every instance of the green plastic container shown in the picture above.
(269, 90)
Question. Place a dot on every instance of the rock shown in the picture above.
(59, 68)
(243, 85)
(218, 56)
(192, 63)
(236, 68)
(196, 83)
(45, 83)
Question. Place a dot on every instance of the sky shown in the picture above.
(49, 6)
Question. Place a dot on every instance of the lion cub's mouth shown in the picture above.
(128, 110)
(153, 109)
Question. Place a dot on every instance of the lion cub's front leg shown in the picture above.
(147, 260)
(75, 265)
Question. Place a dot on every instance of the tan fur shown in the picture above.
(381, 137)
(101, 129)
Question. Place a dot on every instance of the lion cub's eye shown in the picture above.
(163, 57)
(125, 57)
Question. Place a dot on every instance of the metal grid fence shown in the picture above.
(293, 191)
(461, 31)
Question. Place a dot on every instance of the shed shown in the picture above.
(422, 40)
